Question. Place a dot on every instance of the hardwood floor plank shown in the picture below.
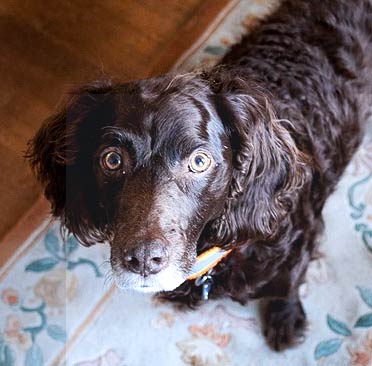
(46, 47)
(17, 188)
(192, 29)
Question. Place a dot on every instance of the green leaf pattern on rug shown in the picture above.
(365, 321)
(366, 235)
(358, 210)
(55, 252)
(6, 355)
(327, 348)
(357, 207)
(60, 254)
(57, 333)
(42, 265)
(40, 311)
(215, 50)
(70, 245)
(34, 356)
(51, 243)
(366, 295)
(338, 327)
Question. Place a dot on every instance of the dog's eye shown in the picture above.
(199, 162)
(112, 160)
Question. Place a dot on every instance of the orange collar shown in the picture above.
(207, 260)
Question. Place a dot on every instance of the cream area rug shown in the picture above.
(57, 306)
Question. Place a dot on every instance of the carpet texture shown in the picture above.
(58, 305)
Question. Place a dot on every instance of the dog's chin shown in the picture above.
(166, 280)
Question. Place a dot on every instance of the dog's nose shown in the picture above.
(148, 258)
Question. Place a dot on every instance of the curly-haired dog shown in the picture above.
(242, 156)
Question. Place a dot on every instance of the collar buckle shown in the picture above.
(206, 281)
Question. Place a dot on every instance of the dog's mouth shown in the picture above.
(172, 276)
(146, 278)
(167, 280)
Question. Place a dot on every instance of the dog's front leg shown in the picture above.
(186, 295)
(283, 316)
(284, 322)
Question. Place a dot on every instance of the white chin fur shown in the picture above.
(166, 280)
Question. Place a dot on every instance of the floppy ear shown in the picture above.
(268, 169)
(61, 157)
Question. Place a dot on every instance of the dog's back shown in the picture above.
(308, 37)
(315, 57)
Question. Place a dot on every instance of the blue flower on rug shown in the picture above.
(16, 334)
(33, 314)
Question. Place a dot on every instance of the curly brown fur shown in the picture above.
(281, 117)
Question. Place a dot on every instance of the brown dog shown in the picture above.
(242, 156)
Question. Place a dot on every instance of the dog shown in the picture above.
(241, 156)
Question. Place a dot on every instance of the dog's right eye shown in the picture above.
(111, 160)
(199, 162)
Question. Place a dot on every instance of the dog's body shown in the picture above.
(273, 129)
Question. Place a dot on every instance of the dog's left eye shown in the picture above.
(199, 162)
(111, 160)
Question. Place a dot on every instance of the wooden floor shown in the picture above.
(47, 46)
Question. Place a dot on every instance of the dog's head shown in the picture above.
(154, 167)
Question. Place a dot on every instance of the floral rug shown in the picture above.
(58, 306)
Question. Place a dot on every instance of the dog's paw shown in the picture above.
(284, 323)
(185, 296)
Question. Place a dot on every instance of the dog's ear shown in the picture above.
(61, 157)
(268, 168)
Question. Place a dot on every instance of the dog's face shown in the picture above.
(160, 166)
(145, 165)
(162, 170)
